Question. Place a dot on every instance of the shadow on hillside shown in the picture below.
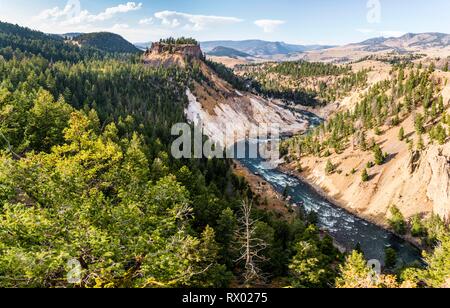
(390, 157)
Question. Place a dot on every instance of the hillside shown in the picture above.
(212, 99)
(171, 54)
(20, 41)
(408, 41)
(229, 146)
(422, 45)
(413, 174)
(105, 41)
(24, 42)
(87, 177)
(221, 51)
(303, 83)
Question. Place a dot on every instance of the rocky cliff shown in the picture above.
(161, 54)
(226, 111)
(213, 101)
(438, 190)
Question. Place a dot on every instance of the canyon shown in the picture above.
(417, 183)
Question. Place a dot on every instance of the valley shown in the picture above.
(218, 104)
(88, 176)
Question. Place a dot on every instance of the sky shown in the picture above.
(334, 22)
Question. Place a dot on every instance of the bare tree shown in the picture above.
(250, 247)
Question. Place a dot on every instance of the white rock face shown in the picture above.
(243, 115)
(439, 186)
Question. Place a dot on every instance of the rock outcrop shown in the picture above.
(166, 55)
(439, 185)
(414, 161)
(241, 115)
(224, 111)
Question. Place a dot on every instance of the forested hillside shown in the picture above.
(23, 42)
(86, 179)
(107, 42)
(91, 197)
(406, 113)
(301, 82)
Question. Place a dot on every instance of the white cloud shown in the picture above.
(192, 22)
(146, 21)
(72, 8)
(269, 25)
(121, 8)
(118, 27)
(73, 15)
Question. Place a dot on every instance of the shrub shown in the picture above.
(397, 221)
(330, 168)
(365, 176)
(390, 257)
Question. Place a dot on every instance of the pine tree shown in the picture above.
(441, 107)
(379, 157)
(365, 176)
(439, 133)
(226, 229)
(390, 257)
(401, 134)
(437, 275)
(397, 220)
(355, 273)
(417, 227)
(330, 168)
(306, 268)
(420, 143)
(419, 122)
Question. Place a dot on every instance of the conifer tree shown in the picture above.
(365, 175)
(330, 168)
(401, 134)
(379, 157)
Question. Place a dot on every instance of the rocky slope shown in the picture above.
(416, 182)
(223, 110)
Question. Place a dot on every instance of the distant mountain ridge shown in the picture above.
(407, 41)
(221, 51)
(261, 48)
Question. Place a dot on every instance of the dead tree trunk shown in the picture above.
(250, 247)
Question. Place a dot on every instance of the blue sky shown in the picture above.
(292, 21)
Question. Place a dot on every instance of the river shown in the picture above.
(347, 229)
